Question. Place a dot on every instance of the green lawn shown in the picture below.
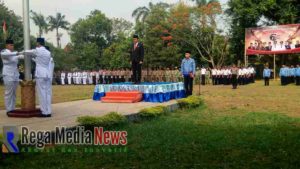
(252, 127)
(60, 94)
(190, 139)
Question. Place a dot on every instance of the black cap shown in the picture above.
(136, 36)
(9, 41)
(41, 41)
(188, 51)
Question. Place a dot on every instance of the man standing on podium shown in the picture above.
(10, 73)
(188, 69)
(137, 57)
(43, 75)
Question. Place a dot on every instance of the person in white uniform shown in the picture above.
(62, 78)
(10, 74)
(69, 78)
(80, 78)
(84, 77)
(74, 74)
(43, 75)
(90, 77)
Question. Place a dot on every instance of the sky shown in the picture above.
(75, 9)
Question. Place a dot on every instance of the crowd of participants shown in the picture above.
(106, 76)
(216, 76)
(289, 75)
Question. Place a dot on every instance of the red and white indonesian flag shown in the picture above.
(4, 28)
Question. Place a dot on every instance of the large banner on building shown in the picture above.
(280, 39)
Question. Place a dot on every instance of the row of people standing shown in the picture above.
(289, 75)
(223, 75)
(116, 76)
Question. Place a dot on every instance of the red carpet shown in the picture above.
(122, 97)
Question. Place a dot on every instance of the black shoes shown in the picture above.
(45, 115)
(9, 112)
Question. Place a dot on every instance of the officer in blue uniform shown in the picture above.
(297, 74)
(266, 75)
(283, 75)
(188, 70)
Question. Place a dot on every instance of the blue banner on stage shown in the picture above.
(152, 92)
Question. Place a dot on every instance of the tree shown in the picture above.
(14, 27)
(210, 45)
(58, 22)
(158, 53)
(141, 13)
(121, 29)
(116, 56)
(92, 33)
(41, 22)
(208, 10)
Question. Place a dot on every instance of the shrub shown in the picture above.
(190, 102)
(153, 112)
(110, 119)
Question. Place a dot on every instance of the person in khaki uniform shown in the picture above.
(179, 76)
(127, 75)
(144, 75)
(168, 75)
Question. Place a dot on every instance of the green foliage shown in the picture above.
(107, 120)
(95, 28)
(58, 22)
(116, 56)
(153, 112)
(14, 27)
(190, 102)
(41, 22)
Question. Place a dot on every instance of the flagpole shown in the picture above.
(26, 28)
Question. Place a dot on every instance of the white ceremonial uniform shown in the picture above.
(79, 78)
(10, 74)
(43, 76)
(97, 77)
(62, 78)
(91, 74)
(69, 78)
(84, 77)
(74, 77)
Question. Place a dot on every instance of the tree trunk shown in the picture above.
(57, 38)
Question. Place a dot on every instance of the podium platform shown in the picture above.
(122, 97)
(157, 92)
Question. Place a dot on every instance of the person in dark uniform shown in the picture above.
(137, 57)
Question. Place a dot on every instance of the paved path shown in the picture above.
(65, 114)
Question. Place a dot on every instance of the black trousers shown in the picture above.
(234, 81)
(136, 71)
(188, 85)
(267, 79)
(297, 80)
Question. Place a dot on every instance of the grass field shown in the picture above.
(252, 127)
(60, 94)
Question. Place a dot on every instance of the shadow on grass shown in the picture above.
(193, 138)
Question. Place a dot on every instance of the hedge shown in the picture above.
(190, 102)
(110, 119)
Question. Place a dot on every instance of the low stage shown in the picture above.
(152, 92)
